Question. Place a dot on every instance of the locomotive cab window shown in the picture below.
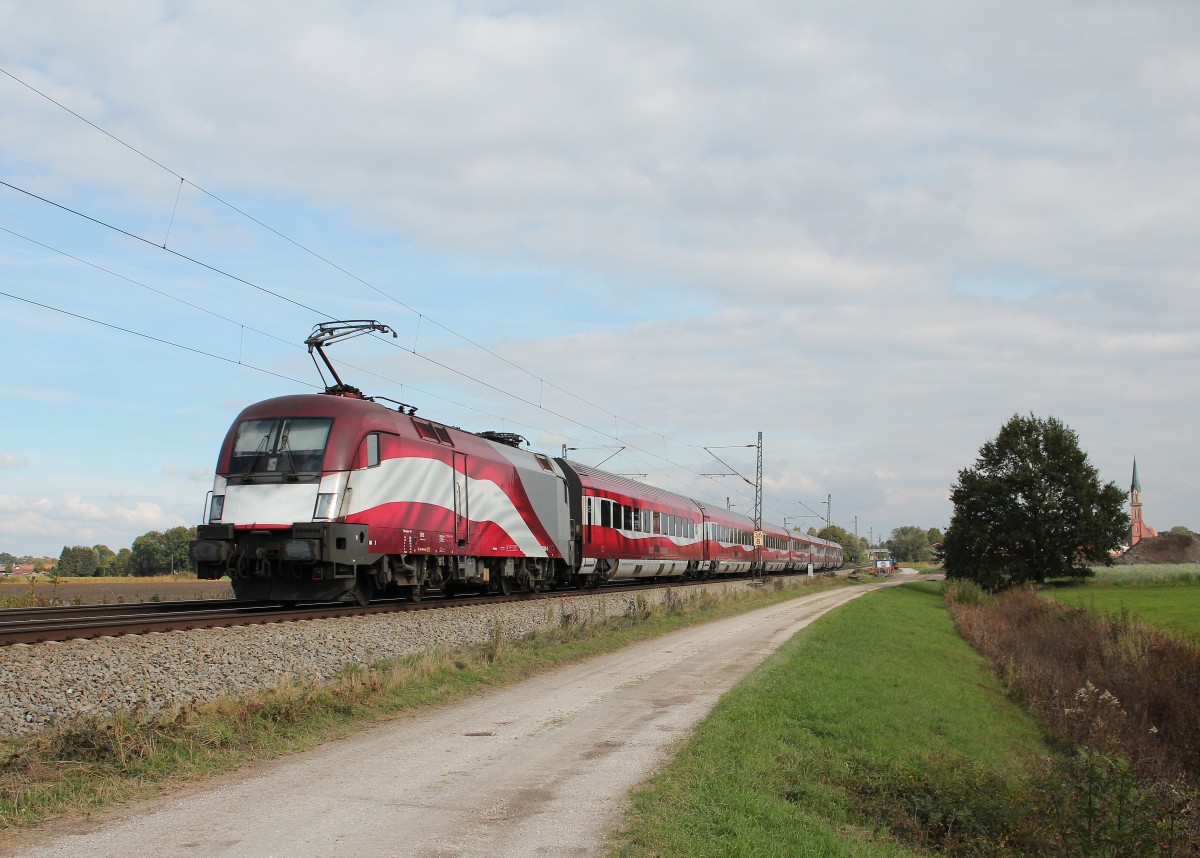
(373, 450)
(281, 446)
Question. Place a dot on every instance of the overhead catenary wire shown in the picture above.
(161, 340)
(420, 316)
(244, 327)
(424, 357)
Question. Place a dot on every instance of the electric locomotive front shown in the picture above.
(333, 497)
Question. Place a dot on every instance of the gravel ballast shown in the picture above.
(55, 684)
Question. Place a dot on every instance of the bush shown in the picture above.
(963, 592)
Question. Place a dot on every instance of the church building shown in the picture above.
(1138, 529)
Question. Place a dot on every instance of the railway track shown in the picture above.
(74, 622)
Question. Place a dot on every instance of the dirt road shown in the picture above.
(541, 768)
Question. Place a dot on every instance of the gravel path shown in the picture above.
(541, 768)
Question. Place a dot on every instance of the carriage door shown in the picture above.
(462, 520)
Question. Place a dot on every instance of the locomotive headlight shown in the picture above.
(216, 508)
(324, 506)
(301, 550)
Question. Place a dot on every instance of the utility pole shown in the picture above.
(758, 488)
(758, 537)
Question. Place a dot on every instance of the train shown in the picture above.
(337, 497)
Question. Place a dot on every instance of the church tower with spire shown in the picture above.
(1138, 529)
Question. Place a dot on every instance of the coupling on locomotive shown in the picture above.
(336, 497)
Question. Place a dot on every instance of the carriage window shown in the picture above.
(656, 523)
(627, 514)
(637, 519)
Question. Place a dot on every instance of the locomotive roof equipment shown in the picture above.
(331, 332)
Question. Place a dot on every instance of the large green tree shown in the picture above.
(910, 544)
(1032, 508)
(156, 553)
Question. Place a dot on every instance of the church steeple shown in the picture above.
(1138, 529)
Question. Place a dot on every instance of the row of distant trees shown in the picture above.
(910, 544)
(153, 553)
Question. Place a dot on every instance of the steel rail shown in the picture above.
(75, 622)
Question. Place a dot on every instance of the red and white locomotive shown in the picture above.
(336, 497)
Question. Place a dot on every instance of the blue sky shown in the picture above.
(873, 233)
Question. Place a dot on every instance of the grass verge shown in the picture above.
(104, 761)
(1124, 701)
(878, 719)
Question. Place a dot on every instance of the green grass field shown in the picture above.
(877, 712)
(1146, 575)
(1174, 609)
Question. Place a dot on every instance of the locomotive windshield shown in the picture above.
(284, 446)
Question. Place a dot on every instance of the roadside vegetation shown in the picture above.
(1121, 697)
(875, 731)
(846, 742)
(103, 761)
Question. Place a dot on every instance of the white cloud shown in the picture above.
(12, 461)
(47, 523)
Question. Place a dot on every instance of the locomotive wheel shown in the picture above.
(416, 592)
(364, 589)
(505, 586)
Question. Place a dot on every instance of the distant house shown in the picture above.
(27, 568)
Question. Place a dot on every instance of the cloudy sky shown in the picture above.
(872, 231)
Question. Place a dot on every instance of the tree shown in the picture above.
(910, 544)
(934, 536)
(854, 548)
(77, 561)
(122, 565)
(104, 559)
(1031, 508)
(157, 553)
